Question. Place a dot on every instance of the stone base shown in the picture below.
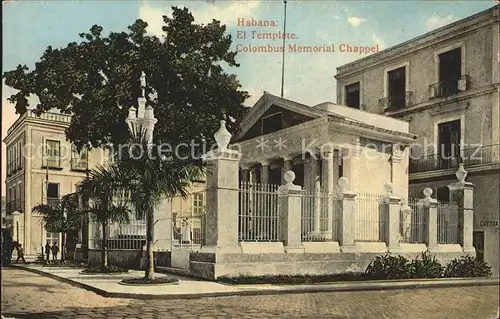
(372, 247)
(261, 247)
(446, 248)
(321, 247)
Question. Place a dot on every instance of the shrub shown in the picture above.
(426, 267)
(389, 267)
(467, 266)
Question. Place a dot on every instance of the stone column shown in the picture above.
(462, 193)
(290, 197)
(287, 166)
(431, 214)
(316, 188)
(328, 189)
(392, 208)
(346, 238)
(264, 178)
(351, 161)
(222, 196)
(253, 175)
(245, 178)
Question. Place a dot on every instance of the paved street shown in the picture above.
(27, 295)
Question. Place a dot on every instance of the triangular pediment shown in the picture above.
(272, 113)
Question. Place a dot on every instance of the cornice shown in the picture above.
(452, 171)
(457, 29)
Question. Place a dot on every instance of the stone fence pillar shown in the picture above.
(461, 193)
(221, 232)
(347, 210)
(392, 210)
(430, 216)
(290, 201)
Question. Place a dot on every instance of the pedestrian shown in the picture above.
(55, 251)
(20, 254)
(47, 250)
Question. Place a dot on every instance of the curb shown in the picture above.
(458, 282)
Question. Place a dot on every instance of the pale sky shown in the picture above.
(30, 26)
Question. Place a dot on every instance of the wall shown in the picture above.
(130, 259)
(421, 69)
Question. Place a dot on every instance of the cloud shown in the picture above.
(355, 21)
(227, 12)
(437, 21)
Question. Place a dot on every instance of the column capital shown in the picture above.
(265, 162)
(245, 166)
(288, 157)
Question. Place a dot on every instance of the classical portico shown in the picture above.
(320, 144)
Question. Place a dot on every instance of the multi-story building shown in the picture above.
(445, 83)
(42, 166)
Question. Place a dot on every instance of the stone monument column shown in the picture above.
(222, 196)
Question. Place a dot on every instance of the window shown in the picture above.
(52, 153)
(443, 194)
(397, 87)
(353, 95)
(450, 71)
(79, 160)
(449, 142)
(272, 123)
(52, 193)
(198, 208)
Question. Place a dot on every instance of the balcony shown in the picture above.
(396, 103)
(449, 87)
(15, 205)
(52, 201)
(474, 156)
(78, 164)
(53, 163)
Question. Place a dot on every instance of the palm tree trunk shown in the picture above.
(150, 270)
(104, 248)
(63, 244)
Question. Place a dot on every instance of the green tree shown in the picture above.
(107, 202)
(61, 217)
(97, 80)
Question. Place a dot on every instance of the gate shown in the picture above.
(188, 229)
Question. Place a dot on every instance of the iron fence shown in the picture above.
(448, 223)
(413, 223)
(130, 236)
(258, 216)
(370, 213)
(321, 213)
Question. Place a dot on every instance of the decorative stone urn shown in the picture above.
(222, 136)
(461, 173)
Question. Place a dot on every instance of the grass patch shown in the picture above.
(144, 281)
(107, 270)
(296, 279)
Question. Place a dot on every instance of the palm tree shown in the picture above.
(150, 177)
(107, 202)
(61, 217)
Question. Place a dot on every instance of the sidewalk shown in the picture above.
(109, 286)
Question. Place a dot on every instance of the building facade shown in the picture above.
(42, 166)
(445, 84)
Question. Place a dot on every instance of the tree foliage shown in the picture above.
(97, 80)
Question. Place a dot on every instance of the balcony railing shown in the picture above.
(78, 164)
(52, 201)
(449, 87)
(15, 205)
(52, 163)
(471, 156)
(396, 103)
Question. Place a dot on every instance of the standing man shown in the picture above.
(55, 251)
(47, 250)
(20, 254)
